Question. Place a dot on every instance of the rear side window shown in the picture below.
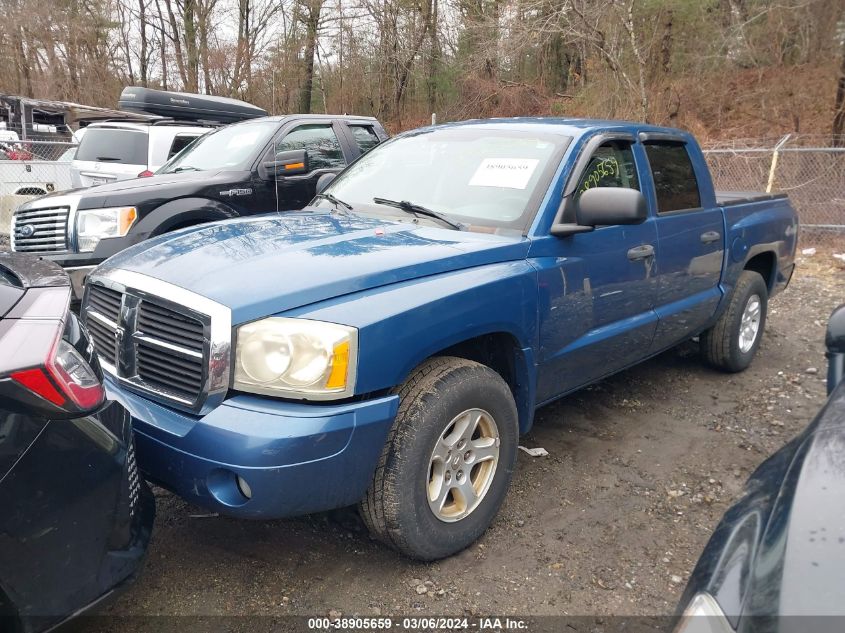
(324, 150)
(674, 177)
(364, 136)
(180, 142)
(113, 145)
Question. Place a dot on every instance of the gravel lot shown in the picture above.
(640, 468)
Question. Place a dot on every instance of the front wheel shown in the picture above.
(731, 344)
(448, 460)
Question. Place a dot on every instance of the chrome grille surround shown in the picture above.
(123, 359)
(54, 213)
(50, 230)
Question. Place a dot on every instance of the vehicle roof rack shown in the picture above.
(186, 106)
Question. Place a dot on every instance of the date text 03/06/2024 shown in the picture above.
(491, 623)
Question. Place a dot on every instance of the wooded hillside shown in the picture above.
(723, 68)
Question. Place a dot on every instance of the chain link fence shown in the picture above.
(33, 168)
(807, 168)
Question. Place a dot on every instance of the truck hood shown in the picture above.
(158, 188)
(269, 264)
(123, 192)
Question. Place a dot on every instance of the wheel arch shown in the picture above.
(502, 352)
(764, 263)
(181, 213)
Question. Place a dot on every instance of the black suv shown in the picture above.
(256, 166)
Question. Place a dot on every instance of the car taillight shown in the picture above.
(145, 174)
(65, 375)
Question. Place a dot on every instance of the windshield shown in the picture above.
(476, 175)
(233, 147)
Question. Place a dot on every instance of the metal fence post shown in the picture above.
(774, 166)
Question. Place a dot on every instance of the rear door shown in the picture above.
(107, 154)
(691, 238)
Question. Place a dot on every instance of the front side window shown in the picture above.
(180, 142)
(319, 140)
(612, 165)
(674, 177)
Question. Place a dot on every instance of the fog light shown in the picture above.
(246, 491)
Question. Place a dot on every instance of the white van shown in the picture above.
(119, 150)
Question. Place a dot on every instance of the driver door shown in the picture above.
(326, 154)
(597, 290)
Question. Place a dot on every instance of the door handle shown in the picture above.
(641, 252)
(710, 236)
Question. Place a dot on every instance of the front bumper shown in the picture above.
(295, 458)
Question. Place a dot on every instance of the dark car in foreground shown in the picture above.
(75, 518)
(776, 561)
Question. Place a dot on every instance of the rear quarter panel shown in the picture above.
(752, 228)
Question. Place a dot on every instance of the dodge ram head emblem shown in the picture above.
(27, 230)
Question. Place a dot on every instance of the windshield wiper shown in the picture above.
(335, 201)
(416, 209)
(185, 168)
(107, 158)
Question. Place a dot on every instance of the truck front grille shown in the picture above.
(152, 345)
(169, 350)
(41, 230)
(104, 312)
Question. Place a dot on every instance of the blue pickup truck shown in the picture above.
(387, 345)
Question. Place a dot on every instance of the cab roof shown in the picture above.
(572, 127)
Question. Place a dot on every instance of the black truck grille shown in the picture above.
(169, 350)
(102, 325)
(153, 346)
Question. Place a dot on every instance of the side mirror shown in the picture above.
(324, 180)
(834, 340)
(287, 163)
(602, 206)
(605, 206)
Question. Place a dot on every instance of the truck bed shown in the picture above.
(728, 198)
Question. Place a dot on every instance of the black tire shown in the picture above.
(720, 345)
(396, 507)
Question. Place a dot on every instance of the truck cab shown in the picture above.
(387, 345)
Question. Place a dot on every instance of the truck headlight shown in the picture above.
(92, 225)
(296, 358)
(703, 615)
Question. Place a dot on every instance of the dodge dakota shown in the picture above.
(387, 345)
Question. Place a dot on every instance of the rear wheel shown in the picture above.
(731, 344)
(448, 460)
